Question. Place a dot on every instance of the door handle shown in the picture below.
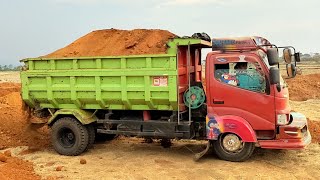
(218, 102)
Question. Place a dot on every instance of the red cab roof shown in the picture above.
(238, 43)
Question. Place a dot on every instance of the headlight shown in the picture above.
(282, 119)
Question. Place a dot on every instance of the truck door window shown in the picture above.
(245, 75)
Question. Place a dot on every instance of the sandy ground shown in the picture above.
(10, 77)
(130, 158)
(305, 68)
(310, 108)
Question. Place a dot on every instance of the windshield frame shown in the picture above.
(264, 58)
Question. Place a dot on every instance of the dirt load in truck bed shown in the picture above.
(114, 42)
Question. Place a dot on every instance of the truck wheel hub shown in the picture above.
(194, 97)
(232, 143)
(70, 136)
(67, 137)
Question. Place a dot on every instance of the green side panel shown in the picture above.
(143, 82)
(146, 82)
(83, 116)
(175, 43)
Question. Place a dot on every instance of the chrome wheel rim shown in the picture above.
(231, 143)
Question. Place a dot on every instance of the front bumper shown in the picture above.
(293, 136)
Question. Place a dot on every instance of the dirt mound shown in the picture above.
(7, 88)
(15, 128)
(14, 168)
(304, 87)
(314, 128)
(113, 42)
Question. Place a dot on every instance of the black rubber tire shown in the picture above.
(240, 156)
(92, 135)
(69, 129)
(166, 143)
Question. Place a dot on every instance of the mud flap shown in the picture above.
(36, 120)
(202, 153)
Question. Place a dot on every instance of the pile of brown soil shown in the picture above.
(114, 42)
(304, 87)
(314, 128)
(15, 127)
(14, 168)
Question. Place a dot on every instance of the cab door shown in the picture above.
(252, 99)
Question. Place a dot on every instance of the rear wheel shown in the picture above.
(230, 147)
(92, 135)
(69, 137)
(166, 143)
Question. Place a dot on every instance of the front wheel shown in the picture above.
(69, 137)
(230, 147)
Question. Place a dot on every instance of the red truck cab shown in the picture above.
(246, 106)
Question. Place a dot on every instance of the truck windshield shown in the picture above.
(264, 57)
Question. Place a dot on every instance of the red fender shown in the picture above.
(236, 125)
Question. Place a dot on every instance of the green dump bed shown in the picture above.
(144, 82)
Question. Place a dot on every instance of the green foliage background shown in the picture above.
(10, 68)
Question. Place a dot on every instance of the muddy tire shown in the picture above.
(231, 148)
(166, 143)
(69, 137)
(92, 135)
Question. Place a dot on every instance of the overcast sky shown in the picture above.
(30, 28)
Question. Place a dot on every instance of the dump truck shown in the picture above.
(237, 102)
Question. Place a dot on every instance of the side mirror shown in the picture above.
(287, 55)
(291, 70)
(297, 57)
(273, 56)
(274, 75)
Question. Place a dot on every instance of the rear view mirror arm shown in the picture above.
(294, 49)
